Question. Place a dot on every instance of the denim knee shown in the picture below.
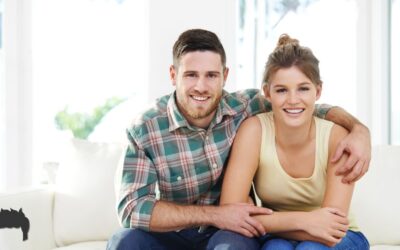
(132, 239)
(311, 245)
(227, 240)
(280, 244)
(353, 240)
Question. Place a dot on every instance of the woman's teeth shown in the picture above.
(294, 111)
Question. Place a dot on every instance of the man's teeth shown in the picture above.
(294, 111)
(199, 98)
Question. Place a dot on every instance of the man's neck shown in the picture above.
(203, 123)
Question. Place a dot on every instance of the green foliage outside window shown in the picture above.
(83, 124)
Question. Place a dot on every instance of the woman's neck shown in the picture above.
(294, 137)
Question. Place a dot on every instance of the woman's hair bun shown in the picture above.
(285, 39)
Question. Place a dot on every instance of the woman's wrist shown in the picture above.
(300, 221)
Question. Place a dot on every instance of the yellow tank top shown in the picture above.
(280, 191)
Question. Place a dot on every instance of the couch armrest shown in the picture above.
(37, 205)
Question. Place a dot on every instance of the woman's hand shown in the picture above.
(328, 224)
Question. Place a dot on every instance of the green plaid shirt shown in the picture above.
(185, 163)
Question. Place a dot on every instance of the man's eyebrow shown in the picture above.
(189, 72)
(214, 72)
(196, 72)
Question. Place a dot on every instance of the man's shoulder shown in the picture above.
(249, 99)
(241, 97)
(156, 112)
(245, 94)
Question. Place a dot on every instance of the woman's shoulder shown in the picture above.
(336, 129)
(251, 122)
(339, 131)
(337, 134)
(252, 126)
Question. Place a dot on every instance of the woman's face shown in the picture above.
(292, 95)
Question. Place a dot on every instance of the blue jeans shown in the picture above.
(211, 238)
(352, 241)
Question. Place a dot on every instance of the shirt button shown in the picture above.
(178, 178)
(214, 165)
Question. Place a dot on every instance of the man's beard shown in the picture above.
(199, 114)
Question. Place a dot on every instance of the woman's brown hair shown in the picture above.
(288, 53)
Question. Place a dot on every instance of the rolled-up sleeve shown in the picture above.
(137, 195)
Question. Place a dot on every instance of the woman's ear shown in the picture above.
(267, 92)
(319, 91)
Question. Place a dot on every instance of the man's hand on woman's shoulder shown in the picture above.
(358, 145)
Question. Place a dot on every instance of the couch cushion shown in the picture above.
(84, 202)
(384, 247)
(37, 205)
(375, 203)
(91, 245)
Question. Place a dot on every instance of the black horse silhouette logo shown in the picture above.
(15, 219)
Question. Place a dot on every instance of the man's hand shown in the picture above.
(358, 145)
(238, 218)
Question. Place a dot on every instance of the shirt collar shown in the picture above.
(229, 105)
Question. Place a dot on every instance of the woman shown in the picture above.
(286, 153)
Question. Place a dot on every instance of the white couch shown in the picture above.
(79, 211)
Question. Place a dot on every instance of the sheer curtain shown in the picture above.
(395, 75)
(2, 103)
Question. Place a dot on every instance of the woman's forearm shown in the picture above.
(279, 222)
(325, 225)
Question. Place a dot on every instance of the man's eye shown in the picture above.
(212, 75)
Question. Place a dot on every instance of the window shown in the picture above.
(316, 24)
(2, 100)
(84, 52)
(395, 76)
(356, 41)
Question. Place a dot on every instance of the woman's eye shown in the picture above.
(304, 88)
(280, 90)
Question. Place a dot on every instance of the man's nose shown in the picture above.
(201, 84)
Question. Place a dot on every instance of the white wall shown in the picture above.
(168, 19)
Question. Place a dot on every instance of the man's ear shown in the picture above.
(319, 91)
(226, 72)
(172, 74)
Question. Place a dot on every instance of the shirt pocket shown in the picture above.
(174, 185)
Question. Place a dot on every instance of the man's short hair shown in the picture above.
(197, 40)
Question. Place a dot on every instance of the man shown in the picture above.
(182, 145)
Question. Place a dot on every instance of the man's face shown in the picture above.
(199, 81)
